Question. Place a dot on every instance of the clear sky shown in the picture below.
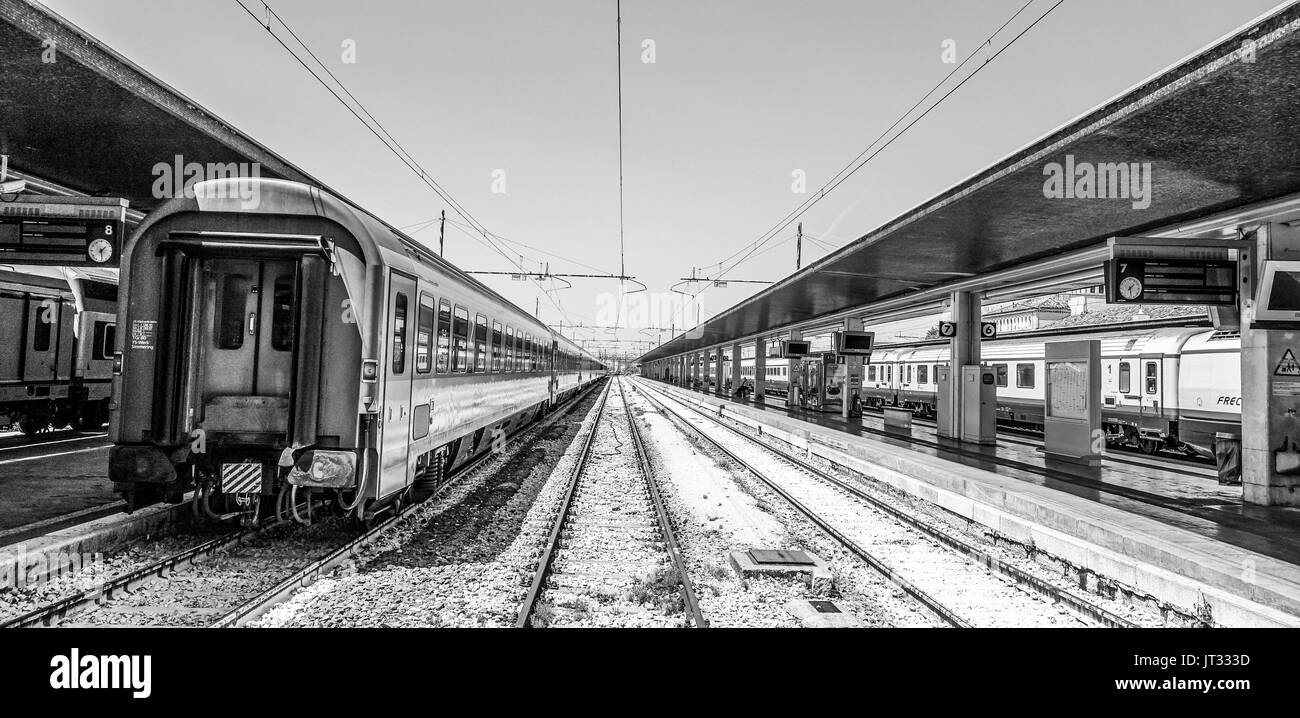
(741, 94)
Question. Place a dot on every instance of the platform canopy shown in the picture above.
(94, 123)
(1220, 130)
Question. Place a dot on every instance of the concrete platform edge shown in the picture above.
(39, 560)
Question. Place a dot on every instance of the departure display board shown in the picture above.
(64, 231)
(1171, 281)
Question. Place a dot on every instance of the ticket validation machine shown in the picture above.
(943, 405)
(1071, 419)
(979, 403)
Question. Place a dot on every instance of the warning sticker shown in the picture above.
(1288, 366)
(144, 334)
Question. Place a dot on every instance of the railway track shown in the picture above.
(956, 581)
(612, 549)
(232, 579)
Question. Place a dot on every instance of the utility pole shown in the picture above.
(798, 249)
(442, 230)
(537, 307)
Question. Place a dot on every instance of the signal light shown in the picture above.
(370, 370)
(117, 362)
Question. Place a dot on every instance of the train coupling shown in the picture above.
(140, 464)
(323, 468)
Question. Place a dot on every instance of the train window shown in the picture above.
(1025, 376)
(519, 351)
(922, 374)
(1000, 372)
(399, 334)
(871, 373)
(460, 334)
(46, 316)
(510, 349)
(530, 354)
(229, 316)
(1152, 373)
(424, 336)
(282, 313)
(496, 346)
(1124, 377)
(444, 336)
(889, 373)
(909, 373)
(105, 338)
(480, 342)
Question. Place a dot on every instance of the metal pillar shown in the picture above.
(1270, 392)
(717, 372)
(735, 366)
(760, 369)
(965, 351)
(852, 371)
(791, 397)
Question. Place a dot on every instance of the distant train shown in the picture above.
(56, 347)
(306, 345)
(1162, 389)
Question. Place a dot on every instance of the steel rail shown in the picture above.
(48, 614)
(1078, 604)
(553, 541)
(916, 592)
(670, 538)
(257, 606)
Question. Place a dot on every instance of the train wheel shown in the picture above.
(31, 426)
(1149, 446)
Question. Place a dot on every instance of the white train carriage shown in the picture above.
(1164, 388)
(302, 342)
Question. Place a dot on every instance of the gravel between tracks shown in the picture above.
(718, 508)
(971, 591)
(465, 558)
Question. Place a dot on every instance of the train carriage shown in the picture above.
(56, 349)
(303, 343)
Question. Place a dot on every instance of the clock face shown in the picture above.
(100, 250)
(1130, 288)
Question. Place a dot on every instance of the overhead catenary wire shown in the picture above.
(860, 161)
(373, 125)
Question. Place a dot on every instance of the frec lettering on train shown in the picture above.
(1229, 401)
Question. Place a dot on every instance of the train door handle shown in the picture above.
(252, 324)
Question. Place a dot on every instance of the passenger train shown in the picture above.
(305, 344)
(56, 347)
(1166, 388)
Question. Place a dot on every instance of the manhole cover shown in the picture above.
(780, 556)
(825, 607)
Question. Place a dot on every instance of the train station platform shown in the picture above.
(55, 478)
(1159, 527)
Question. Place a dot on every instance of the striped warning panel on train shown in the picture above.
(243, 478)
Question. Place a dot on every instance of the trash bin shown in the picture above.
(1227, 454)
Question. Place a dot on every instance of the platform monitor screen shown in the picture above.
(794, 348)
(856, 343)
(1279, 292)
